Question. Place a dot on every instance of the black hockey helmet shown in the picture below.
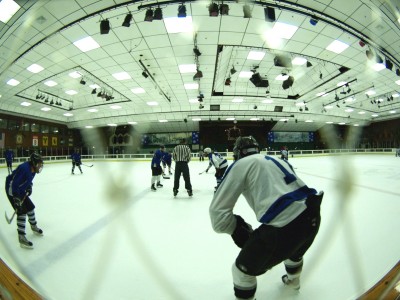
(36, 161)
(245, 145)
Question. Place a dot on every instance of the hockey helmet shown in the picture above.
(36, 161)
(207, 150)
(245, 145)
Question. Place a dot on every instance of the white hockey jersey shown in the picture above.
(270, 186)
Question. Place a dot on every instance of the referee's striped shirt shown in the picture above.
(181, 153)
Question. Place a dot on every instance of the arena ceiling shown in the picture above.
(302, 63)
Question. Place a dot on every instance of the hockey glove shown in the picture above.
(28, 191)
(18, 205)
(242, 232)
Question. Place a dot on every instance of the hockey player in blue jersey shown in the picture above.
(286, 208)
(18, 189)
(76, 161)
(9, 156)
(156, 169)
(218, 161)
(166, 162)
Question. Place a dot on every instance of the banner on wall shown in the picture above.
(2, 139)
(54, 141)
(45, 141)
(70, 141)
(195, 138)
(35, 141)
(290, 137)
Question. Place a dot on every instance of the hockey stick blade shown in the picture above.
(166, 177)
(87, 165)
(7, 219)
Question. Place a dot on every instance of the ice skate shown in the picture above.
(170, 173)
(36, 230)
(24, 243)
(159, 185)
(153, 188)
(190, 193)
(175, 192)
(292, 283)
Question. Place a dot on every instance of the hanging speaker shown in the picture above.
(269, 13)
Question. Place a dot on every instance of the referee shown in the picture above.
(181, 156)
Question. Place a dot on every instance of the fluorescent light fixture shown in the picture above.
(320, 94)
(267, 101)
(397, 82)
(196, 119)
(309, 121)
(342, 123)
(8, 8)
(230, 119)
(191, 68)
(256, 55)
(350, 99)
(378, 67)
(26, 104)
(380, 100)
(94, 86)
(13, 82)
(68, 114)
(152, 103)
(92, 110)
(163, 121)
(374, 115)
(237, 100)
(328, 106)
(132, 122)
(176, 25)
(194, 100)
(50, 83)
(394, 95)
(191, 86)
(341, 83)
(337, 46)
(283, 30)
(71, 92)
(115, 107)
(88, 126)
(75, 74)
(392, 111)
(356, 125)
(349, 110)
(46, 108)
(122, 76)
(35, 68)
(300, 104)
(254, 119)
(86, 44)
(329, 122)
(370, 92)
(138, 90)
(299, 61)
(282, 77)
(361, 112)
(112, 125)
(248, 74)
(324, 95)
(283, 120)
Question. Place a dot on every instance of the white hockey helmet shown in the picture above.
(207, 150)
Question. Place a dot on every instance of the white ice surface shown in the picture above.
(107, 236)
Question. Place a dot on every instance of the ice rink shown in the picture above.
(108, 236)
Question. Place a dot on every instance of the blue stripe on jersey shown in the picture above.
(285, 200)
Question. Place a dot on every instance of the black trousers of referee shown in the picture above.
(181, 167)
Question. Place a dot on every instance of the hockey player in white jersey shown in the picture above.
(286, 208)
(218, 161)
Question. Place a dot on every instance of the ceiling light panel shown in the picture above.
(122, 76)
(256, 55)
(8, 8)
(283, 30)
(337, 46)
(191, 68)
(50, 83)
(35, 68)
(177, 25)
(86, 44)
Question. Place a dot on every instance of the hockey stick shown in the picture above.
(7, 219)
(87, 165)
(202, 172)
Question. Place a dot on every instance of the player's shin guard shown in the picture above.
(21, 220)
(293, 270)
(244, 285)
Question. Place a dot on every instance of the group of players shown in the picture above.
(286, 208)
